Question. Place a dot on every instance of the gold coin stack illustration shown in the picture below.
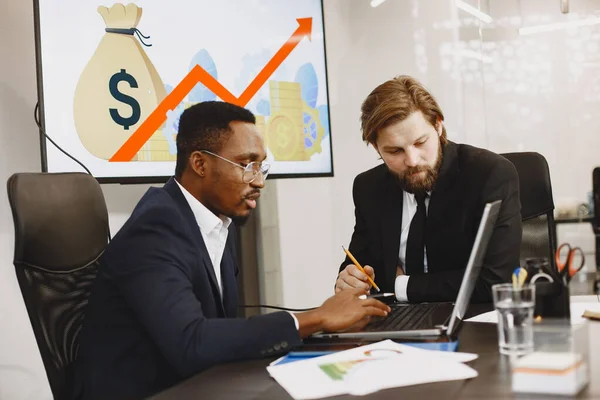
(285, 129)
(156, 149)
(261, 126)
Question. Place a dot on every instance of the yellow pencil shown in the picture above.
(351, 257)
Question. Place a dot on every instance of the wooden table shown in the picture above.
(250, 380)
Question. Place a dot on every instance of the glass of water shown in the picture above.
(514, 306)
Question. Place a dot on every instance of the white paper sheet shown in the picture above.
(577, 310)
(489, 317)
(370, 368)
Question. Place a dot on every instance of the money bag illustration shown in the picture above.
(119, 86)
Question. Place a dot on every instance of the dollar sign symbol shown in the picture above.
(114, 91)
(282, 134)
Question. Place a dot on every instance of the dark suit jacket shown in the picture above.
(469, 178)
(155, 314)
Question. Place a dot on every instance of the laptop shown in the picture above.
(430, 319)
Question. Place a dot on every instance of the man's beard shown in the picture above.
(424, 184)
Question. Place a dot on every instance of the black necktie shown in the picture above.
(415, 245)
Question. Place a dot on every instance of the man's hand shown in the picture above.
(345, 309)
(340, 312)
(353, 278)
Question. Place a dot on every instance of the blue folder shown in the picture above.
(303, 355)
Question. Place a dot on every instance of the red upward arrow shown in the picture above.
(199, 74)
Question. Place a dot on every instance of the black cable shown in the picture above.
(37, 121)
(277, 307)
(36, 117)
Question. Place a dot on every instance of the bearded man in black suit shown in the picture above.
(417, 214)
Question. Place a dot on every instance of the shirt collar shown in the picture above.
(206, 220)
(411, 197)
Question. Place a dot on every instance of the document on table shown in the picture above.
(294, 356)
(577, 310)
(370, 368)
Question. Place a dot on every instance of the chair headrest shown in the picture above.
(535, 188)
(596, 195)
(61, 220)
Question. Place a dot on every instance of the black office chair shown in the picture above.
(596, 223)
(596, 219)
(537, 206)
(61, 229)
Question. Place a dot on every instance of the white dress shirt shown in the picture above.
(214, 231)
(409, 209)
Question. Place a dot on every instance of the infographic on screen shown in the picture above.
(117, 77)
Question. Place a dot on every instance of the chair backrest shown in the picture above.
(596, 196)
(537, 206)
(61, 229)
(596, 219)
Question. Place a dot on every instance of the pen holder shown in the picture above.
(551, 298)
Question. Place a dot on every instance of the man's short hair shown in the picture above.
(206, 126)
(394, 101)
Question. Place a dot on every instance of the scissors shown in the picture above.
(568, 266)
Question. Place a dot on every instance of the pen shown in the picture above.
(351, 257)
(375, 296)
(518, 277)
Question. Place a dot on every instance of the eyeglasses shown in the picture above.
(251, 170)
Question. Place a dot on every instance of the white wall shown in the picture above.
(540, 93)
(22, 374)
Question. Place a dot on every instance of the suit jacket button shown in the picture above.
(284, 344)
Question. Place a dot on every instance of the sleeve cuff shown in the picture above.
(295, 320)
(400, 288)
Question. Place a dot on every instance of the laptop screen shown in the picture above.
(486, 227)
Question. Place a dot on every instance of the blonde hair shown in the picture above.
(394, 101)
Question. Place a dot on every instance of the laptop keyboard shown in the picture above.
(404, 318)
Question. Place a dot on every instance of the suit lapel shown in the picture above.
(441, 199)
(173, 189)
(205, 260)
(391, 227)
